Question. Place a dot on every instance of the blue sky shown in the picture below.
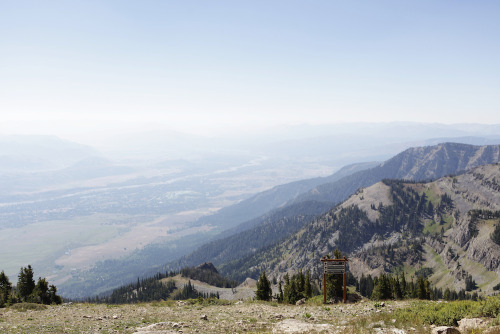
(202, 66)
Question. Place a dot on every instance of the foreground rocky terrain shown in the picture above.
(226, 317)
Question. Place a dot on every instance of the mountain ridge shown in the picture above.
(379, 236)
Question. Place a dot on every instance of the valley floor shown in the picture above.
(223, 317)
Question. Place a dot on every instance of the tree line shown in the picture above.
(27, 291)
(383, 287)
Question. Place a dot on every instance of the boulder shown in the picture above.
(301, 301)
(445, 330)
(466, 324)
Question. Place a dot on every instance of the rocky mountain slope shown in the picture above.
(443, 226)
(415, 163)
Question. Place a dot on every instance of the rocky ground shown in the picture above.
(234, 317)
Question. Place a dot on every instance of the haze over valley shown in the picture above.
(75, 206)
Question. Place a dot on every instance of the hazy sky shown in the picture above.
(84, 66)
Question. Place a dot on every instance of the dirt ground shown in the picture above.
(182, 317)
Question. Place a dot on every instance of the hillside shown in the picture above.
(415, 163)
(395, 225)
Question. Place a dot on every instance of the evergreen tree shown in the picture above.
(25, 283)
(53, 297)
(308, 286)
(495, 236)
(404, 288)
(447, 294)
(264, 291)
(5, 289)
(40, 293)
(470, 284)
(301, 282)
(421, 292)
(291, 294)
(397, 288)
(280, 293)
(383, 289)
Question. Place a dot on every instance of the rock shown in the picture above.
(382, 304)
(115, 316)
(445, 330)
(353, 298)
(158, 328)
(204, 317)
(296, 326)
(301, 301)
(466, 324)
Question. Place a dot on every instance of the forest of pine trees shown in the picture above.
(154, 289)
(27, 291)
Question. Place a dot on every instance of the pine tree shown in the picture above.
(40, 293)
(301, 282)
(447, 294)
(308, 286)
(397, 288)
(404, 288)
(421, 293)
(5, 289)
(383, 288)
(495, 236)
(264, 291)
(53, 297)
(25, 283)
(291, 294)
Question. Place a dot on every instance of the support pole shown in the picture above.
(324, 282)
(345, 281)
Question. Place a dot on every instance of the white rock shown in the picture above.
(466, 324)
(445, 330)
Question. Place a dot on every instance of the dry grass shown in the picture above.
(227, 317)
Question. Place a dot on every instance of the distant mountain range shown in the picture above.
(36, 153)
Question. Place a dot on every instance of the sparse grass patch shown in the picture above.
(447, 314)
(163, 303)
(316, 300)
(112, 306)
(23, 307)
